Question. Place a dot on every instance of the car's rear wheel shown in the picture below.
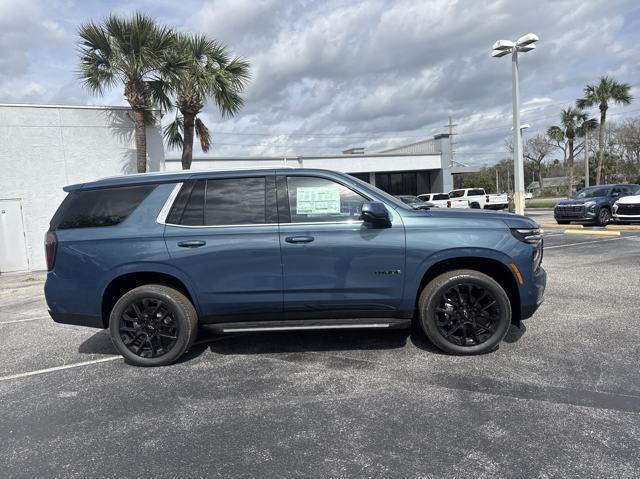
(475, 205)
(153, 325)
(604, 217)
(465, 312)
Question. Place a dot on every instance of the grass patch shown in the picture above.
(541, 203)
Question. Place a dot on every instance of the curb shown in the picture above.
(554, 225)
(623, 227)
(593, 232)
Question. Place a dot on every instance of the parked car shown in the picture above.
(627, 209)
(593, 204)
(442, 200)
(415, 202)
(152, 257)
(528, 195)
(479, 199)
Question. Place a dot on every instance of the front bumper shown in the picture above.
(531, 303)
(565, 214)
(630, 218)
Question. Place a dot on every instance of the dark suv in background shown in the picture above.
(153, 256)
(593, 204)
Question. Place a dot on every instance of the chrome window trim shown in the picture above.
(164, 212)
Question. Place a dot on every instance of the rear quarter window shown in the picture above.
(97, 208)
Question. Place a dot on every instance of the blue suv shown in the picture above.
(592, 204)
(154, 256)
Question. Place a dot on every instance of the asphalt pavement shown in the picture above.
(559, 398)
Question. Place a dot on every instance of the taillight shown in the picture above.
(487, 198)
(448, 203)
(50, 248)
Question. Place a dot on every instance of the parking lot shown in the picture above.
(560, 398)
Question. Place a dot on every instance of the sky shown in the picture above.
(331, 75)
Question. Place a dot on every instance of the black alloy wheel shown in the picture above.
(153, 325)
(465, 312)
(148, 328)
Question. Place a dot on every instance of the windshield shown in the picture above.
(591, 193)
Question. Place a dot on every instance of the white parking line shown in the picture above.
(58, 368)
(584, 242)
(24, 320)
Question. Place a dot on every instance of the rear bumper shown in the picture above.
(77, 319)
(531, 304)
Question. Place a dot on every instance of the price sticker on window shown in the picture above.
(317, 200)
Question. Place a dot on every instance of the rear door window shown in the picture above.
(225, 202)
(476, 192)
(456, 194)
(99, 207)
(441, 197)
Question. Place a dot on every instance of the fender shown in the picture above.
(152, 267)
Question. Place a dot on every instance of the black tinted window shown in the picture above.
(318, 199)
(441, 197)
(102, 207)
(236, 201)
(476, 192)
(193, 213)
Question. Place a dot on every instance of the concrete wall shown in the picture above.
(43, 148)
(344, 163)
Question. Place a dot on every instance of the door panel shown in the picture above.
(236, 272)
(13, 249)
(333, 263)
(223, 233)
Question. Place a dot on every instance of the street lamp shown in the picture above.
(501, 48)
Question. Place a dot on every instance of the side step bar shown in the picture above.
(309, 324)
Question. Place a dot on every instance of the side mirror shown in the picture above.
(376, 213)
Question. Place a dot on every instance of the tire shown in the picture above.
(475, 206)
(153, 325)
(563, 222)
(438, 322)
(604, 217)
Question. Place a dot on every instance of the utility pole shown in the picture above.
(586, 157)
(450, 125)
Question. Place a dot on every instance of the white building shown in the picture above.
(45, 147)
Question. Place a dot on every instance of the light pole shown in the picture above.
(500, 49)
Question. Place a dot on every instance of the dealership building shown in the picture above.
(45, 147)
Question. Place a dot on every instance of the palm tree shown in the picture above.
(209, 73)
(573, 122)
(605, 91)
(136, 53)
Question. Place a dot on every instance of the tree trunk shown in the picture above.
(599, 168)
(141, 140)
(570, 167)
(187, 144)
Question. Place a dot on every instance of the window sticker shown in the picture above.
(317, 200)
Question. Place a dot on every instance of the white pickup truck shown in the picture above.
(442, 200)
(478, 198)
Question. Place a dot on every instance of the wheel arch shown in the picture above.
(126, 281)
(492, 267)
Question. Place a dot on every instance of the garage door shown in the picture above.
(13, 250)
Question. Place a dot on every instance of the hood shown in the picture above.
(581, 201)
(510, 219)
(629, 200)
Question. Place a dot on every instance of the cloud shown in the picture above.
(338, 73)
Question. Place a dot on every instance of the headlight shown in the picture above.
(590, 205)
(529, 235)
(533, 237)
(615, 207)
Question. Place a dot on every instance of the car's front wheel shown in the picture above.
(153, 325)
(604, 217)
(465, 312)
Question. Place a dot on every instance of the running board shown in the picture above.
(309, 324)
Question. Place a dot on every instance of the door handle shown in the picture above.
(191, 243)
(299, 239)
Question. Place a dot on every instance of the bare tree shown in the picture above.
(536, 150)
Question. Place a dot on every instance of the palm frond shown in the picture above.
(202, 132)
(172, 133)
(555, 133)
